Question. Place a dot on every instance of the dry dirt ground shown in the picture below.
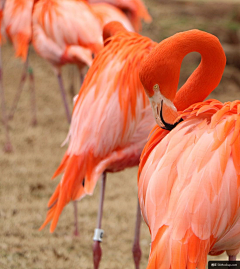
(25, 174)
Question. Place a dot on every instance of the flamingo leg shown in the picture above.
(136, 250)
(8, 145)
(97, 251)
(232, 258)
(60, 81)
(33, 96)
(71, 75)
(76, 232)
(19, 90)
(81, 77)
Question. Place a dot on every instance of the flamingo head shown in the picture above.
(159, 74)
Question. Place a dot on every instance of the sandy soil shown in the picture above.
(25, 173)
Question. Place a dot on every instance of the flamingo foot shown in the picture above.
(8, 147)
(137, 254)
(97, 254)
(33, 122)
(232, 258)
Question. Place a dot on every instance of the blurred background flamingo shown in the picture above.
(66, 32)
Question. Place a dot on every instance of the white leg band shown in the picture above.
(98, 235)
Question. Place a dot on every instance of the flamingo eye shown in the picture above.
(156, 87)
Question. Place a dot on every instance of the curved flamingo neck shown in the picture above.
(209, 72)
(162, 67)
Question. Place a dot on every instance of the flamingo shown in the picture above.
(65, 31)
(16, 25)
(189, 173)
(110, 124)
(134, 9)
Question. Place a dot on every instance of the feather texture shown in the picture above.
(189, 187)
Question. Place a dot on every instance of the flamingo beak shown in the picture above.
(166, 125)
(164, 115)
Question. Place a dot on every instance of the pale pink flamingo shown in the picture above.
(65, 31)
(110, 124)
(189, 188)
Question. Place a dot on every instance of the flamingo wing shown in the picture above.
(189, 188)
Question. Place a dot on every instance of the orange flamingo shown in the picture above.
(107, 13)
(65, 31)
(189, 173)
(110, 124)
(134, 9)
(16, 25)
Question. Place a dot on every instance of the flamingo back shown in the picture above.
(189, 187)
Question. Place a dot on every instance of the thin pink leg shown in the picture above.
(33, 97)
(136, 250)
(81, 77)
(232, 258)
(19, 90)
(68, 114)
(76, 232)
(71, 75)
(98, 234)
(8, 145)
